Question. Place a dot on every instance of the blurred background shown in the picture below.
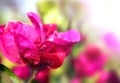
(98, 22)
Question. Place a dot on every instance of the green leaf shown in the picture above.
(6, 75)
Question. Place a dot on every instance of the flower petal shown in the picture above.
(37, 24)
(49, 29)
(27, 49)
(70, 36)
(51, 47)
(53, 60)
(10, 49)
(1, 28)
(64, 41)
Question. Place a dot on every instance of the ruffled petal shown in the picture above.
(13, 33)
(27, 49)
(26, 30)
(49, 29)
(64, 41)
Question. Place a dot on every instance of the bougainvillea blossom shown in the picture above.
(90, 61)
(36, 44)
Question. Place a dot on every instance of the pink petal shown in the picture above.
(53, 60)
(10, 49)
(26, 30)
(36, 21)
(49, 29)
(70, 37)
(1, 28)
(27, 49)
(64, 41)
(51, 47)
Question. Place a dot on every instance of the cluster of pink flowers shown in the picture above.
(37, 44)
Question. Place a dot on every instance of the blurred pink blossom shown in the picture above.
(90, 61)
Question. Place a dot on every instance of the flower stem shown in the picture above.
(32, 76)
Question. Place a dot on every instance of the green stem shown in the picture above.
(32, 76)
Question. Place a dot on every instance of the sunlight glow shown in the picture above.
(104, 14)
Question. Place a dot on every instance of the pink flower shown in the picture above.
(37, 44)
(90, 61)
(23, 72)
(43, 76)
